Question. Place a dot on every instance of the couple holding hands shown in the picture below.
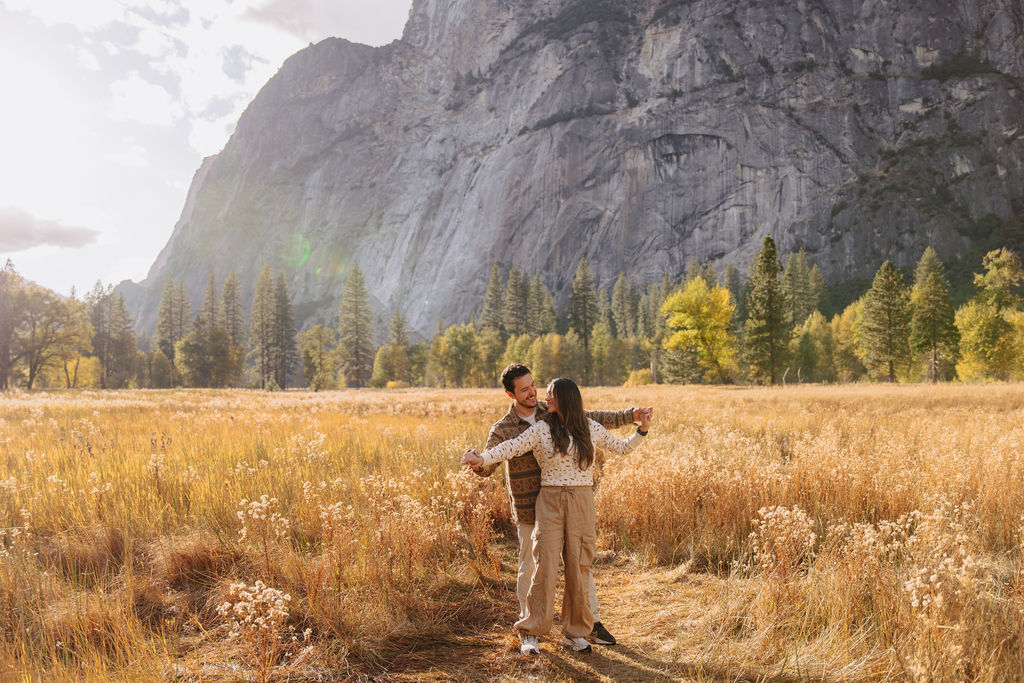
(549, 451)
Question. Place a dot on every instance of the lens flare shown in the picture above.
(296, 251)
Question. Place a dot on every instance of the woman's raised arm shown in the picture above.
(524, 443)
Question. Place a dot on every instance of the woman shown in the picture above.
(563, 444)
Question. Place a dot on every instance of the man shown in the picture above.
(523, 476)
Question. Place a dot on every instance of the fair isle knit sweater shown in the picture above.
(559, 468)
(523, 472)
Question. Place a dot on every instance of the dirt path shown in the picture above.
(671, 626)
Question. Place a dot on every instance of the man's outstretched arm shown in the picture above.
(612, 419)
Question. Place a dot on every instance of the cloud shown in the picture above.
(88, 60)
(374, 23)
(237, 61)
(130, 155)
(85, 16)
(157, 44)
(20, 230)
(136, 100)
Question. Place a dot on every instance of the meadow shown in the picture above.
(857, 532)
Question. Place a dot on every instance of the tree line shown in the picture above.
(771, 327)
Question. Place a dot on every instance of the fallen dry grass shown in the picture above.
(835, 533)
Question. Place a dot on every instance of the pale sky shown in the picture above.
(107, 108)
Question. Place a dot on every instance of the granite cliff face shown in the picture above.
(637, 133)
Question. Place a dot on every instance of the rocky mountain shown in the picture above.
(637, 133)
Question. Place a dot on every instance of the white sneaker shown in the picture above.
(529, 646)
(577, 644)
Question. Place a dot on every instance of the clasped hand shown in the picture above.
(472, 459)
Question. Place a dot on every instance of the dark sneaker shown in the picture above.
(600, 635)
(577, 644)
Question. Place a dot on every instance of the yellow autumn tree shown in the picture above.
(700, 318)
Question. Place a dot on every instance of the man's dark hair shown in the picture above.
(511, 373)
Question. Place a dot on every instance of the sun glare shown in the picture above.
(44, 134)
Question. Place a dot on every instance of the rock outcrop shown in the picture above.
(637, 133)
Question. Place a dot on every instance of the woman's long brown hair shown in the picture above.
(570, 421)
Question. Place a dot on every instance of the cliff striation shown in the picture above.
(637, 133)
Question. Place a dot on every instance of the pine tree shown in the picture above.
(122, 366)
(285, 353)
(734, 284)
(208, 315)
(541, 315)
(609, 356)
(535, 307)
(796, 282)
(693, 270)
(932, 321)
(767, 328)
(317, 348)
(193, 354)
(604, 312)
(548, 316)
(261, 326)
(172, 316)
(819, 292)
(355, 330)
(398, 333)
(99, 315)
(182, 310)
(392, 364)
(583, 303)
(624, 305)
(514, 310)
(113, 341)
(232, 317)
(651, 323)
(433, 370)
(884, 336)
(494, 302)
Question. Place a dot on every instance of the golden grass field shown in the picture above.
(857, 532)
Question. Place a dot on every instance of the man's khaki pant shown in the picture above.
(564, 531)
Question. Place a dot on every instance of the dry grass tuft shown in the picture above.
(191, 561)
(87, 556)
(80, 625)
